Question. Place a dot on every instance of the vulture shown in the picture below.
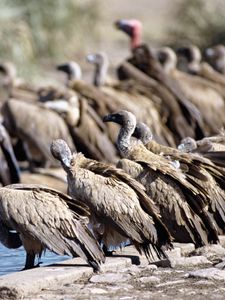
(10, 171)
(182, 201)
(207, 144)
(36, 127)
(120, 209)
(191, 57)
(44, 218)
(125, 95)
(216, 57)
(15, 87)
(198, 90)
(89, 132)
(182, 115)
(199, 169)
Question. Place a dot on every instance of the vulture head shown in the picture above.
(72, 69)
(142, 132)
(167, 58)
(123, 118)
(216, 57)
(101, 62)
(193, 57)
(133, 28)
(61, 151)
(187, 144)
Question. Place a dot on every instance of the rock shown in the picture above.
(95, 291)
(163, 263)
(149, 279)
(222, 240)
(220, 265)
(189, 261)
(174, 253)
(185, 248)
(110, 278)
(210, 251)
(174, 282)
(209, 273)
(132, 270)
(151, 268)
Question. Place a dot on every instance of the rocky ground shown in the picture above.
(187, 274)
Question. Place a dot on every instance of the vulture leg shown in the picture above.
(29, 264)
(106, 251)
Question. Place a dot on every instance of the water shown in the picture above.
(13, 260)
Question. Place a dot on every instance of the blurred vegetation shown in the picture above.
(199, 22)
(33, 32)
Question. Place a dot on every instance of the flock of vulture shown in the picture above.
(116, 140)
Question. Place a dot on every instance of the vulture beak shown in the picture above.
(209, 52)
(125, 26)
(64, 67)
(91, 58)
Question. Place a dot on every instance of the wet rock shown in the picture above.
(210, 251)
(110, 278)
(189, 261)
(185, 248)
(149, 279)
(209, 273)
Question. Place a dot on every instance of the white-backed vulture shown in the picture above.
(182, 115)
(124, 95)
(216, 57)
(182, 201)
(198, 90)
(120, 209)
(36, 127)
(43, 220)
(14, 86)
(10, 171)
(199, 169)
(191, 56)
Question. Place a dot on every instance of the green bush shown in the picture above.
(33, 31)
(199, 22)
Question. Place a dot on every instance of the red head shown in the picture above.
(133, 28)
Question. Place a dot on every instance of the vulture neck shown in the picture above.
(136, 40)
(100, 73)
(124, 138)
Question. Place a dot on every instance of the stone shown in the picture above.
(222, 240)
(151, 268)
(110, 278)
(209, 273)
(189, 261)
(185, 248)
(98, 291)
(174, 282)
(163, 263)
(149, 279)
(210, 251)
(220, 265)
(176, 252)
